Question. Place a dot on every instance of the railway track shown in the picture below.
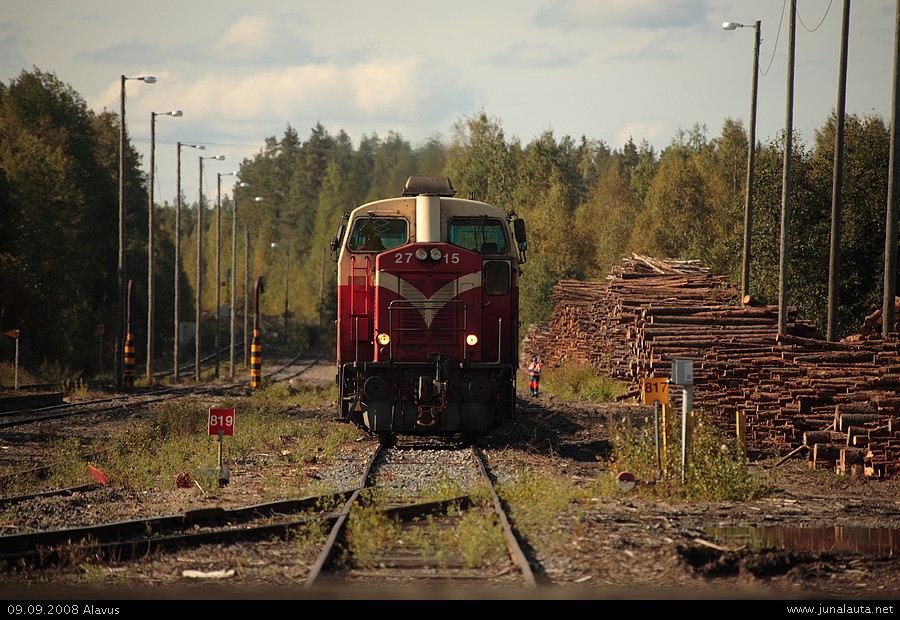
(380, 538)
(595, 544)
(118, 405)
(124, 540)
(432, 532)
(415, 540)
(37, 411)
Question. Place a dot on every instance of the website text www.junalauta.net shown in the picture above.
(822, 609)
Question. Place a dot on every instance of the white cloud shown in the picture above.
(248, 34)
(383, 86)
(638, 14)
(536, 56)
(256, 38)
(383, 91)
(655, 131)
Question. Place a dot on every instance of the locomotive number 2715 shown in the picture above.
(406, 257)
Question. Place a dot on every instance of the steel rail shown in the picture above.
(512, 541)
(124, 538)
(326, 555)
(408, 513)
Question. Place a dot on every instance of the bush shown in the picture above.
(715, 468)
(581, 382)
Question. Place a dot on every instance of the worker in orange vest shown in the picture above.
(534, 375)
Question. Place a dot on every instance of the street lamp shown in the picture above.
(232, 283)
(219, 176)
(751, 156)
(247, 290)
(200, 268)
(287, 268)
(120, 335)
(246, 294)
(150, 211)
(178, 253)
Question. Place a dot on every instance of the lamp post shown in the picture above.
(199, 312)
(888, 303)
(178, 254)
(246, 293)
(232, 282)
(150, 262)
(751, 156)
(219, 176)
(287, 268)
(120, 334)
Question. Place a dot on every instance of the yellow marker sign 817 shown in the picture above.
(656, 389)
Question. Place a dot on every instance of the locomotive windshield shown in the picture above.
(376, 234)
(483, 235)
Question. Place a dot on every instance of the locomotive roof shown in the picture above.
(421, 185)
(457, 206)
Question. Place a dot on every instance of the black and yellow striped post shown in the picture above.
(129, 359)
(255, 360)
(256, 344)
(129, 346)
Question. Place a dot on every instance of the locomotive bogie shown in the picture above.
(421, 399)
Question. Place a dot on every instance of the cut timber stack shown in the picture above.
(649, 312)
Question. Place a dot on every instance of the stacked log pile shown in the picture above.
(838, 401)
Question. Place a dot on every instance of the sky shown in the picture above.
(609, 70)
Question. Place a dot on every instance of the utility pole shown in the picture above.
(786, 177)
(888, 311)
(837, 182)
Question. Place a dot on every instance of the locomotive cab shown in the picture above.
(427, 326)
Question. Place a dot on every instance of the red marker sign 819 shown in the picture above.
(221, 421)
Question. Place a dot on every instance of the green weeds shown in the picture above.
(579, 382)
(155, 449)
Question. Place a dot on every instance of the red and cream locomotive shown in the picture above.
(428, 312)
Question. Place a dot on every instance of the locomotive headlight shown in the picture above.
(471, 340)
(384, 339)
(436, 254)
(421, 253)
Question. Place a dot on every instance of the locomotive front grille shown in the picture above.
(446, 328)
(443, 317)
(428, 310)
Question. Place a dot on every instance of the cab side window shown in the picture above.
(479, 234)
(377, 234)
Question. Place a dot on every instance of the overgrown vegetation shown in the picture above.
(712, 467)
(152, 452)
(477, 538)
(717, 467)
(542, 501)
(580, 382)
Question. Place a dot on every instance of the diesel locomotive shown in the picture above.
(428, 312)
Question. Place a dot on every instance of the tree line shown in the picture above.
(586, 205)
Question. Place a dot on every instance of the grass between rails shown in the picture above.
(476, 541)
